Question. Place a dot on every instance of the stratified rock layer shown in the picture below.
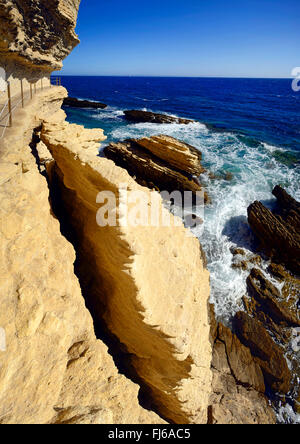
(269, 355)
(37, 34)
(160, 162)
(269, 299)
(278, 233)
(274, 294)
(238, 383)
(148, 283)
(179, 155)
(53, 369)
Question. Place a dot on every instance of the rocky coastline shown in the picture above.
(160, 162)
(98, 317)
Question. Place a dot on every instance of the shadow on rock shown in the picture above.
(238, 231)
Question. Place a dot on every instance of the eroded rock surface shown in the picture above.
(274, 293)
(269, 355)
(160, 162)
(278, 233)
(270, 300)
(147, 283)
(37, 34)
(238, 382)
(53, 369)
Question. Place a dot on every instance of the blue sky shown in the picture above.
(229, 38)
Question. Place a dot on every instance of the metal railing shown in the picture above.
(12, 102)
(56, 81)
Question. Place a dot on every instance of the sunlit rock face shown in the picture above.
(148, 284)
(53, 369)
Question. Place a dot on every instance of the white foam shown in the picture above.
(287, 415)
(108, 113)
(272, 148)
(137, 130)
(255, 172)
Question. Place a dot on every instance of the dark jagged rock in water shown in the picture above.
(279, 234)
(269, 300)
(269, 355)
(159, 162)
(238, 383)
(138, 116)
(290, 209)
(76, 103)
(237, 251)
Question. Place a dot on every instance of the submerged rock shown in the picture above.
(159, 162)
(238, 251)
(244, 260)
(76, 103)
(269, 355)
(242, 265)
(138, 116)
(224, 175)
(228, 176)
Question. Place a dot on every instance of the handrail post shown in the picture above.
(31, 91)
(35, 88)
(9, 103)
(22, 94)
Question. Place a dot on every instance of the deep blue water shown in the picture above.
(256, 137)
(259, 143)
(267, 110)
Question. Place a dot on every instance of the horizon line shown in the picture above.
(169, 76)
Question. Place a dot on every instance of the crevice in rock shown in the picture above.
(116, 349)
(237, 381)
(33, 146)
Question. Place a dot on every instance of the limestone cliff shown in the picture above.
(36, 35)
(160, 162)
(145, 286)
(53, 369)
(148, 283)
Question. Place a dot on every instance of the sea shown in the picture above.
(247, 127)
